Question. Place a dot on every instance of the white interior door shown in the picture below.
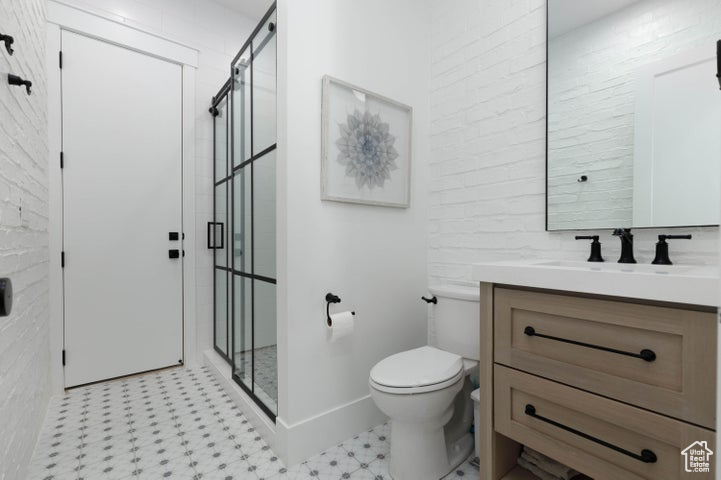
(677, 151)
(122, 193)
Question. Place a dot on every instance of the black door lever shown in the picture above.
(15, 80)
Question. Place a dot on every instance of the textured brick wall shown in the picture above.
(592, 84)
(24, 348)
(487, 161)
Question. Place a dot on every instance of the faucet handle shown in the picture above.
(662, 238)
(595, 247)
(662, 248)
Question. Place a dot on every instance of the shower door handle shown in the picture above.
(212, 237)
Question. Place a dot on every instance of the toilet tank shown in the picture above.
(456, 319)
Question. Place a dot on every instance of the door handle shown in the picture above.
(212, 237)
(718, 61)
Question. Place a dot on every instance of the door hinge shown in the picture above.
(62, 259)
(63, 357)
(60, 59)
(62, 160)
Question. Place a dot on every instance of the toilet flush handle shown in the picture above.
(432, 300)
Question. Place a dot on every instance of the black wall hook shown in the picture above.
(15, 80)
(6, 297)
(330, 298)
(8, 43)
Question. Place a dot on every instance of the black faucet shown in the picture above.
(595, 247)
(662, 248)
(626, 245)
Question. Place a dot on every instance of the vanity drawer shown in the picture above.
(592, 342)
(597, 436)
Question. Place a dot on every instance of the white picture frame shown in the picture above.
(366, 146)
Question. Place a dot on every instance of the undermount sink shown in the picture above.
(622, 267)
(689, 284)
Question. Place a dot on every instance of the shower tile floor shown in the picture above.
(180, 424)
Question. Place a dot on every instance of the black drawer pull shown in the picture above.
(647, 456)
(646, 354)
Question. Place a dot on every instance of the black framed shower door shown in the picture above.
(244, 186)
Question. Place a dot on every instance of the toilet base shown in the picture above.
(419, 453)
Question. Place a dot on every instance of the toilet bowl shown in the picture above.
(426, 392)
(421, 391)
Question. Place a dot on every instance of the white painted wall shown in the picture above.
(487, 148)
(24, 335)
(217, 32)
(374, 258)
(592, 101)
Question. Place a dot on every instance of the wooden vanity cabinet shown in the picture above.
(614, 388)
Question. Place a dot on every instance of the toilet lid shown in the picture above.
(417, 368)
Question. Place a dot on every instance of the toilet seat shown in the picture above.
(420, 370)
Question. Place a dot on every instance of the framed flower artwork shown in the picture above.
(366, 146)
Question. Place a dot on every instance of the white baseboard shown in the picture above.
(255, 415)
(299, 441)
(302, 440)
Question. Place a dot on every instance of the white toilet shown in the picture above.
(426, 391)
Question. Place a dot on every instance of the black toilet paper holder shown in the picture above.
(331, 298)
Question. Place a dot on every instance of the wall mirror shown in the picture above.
(634, 114)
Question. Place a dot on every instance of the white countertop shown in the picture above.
(689, 284)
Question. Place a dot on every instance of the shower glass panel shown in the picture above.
(243, 330)
(245, 197)
(263, 85)
(218, 232)
(222, 280)
(241, 109)
(265, 352)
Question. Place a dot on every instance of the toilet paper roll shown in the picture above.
(341, 325)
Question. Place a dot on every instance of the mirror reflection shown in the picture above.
(634, 113)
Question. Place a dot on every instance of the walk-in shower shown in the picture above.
(243, 230)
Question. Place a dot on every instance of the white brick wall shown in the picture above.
(591, 114)
(24, 344)
(487, 162)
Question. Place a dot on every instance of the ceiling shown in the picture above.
(251, 8)
(567, 15)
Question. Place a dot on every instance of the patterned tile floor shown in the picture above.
(266, 374)
(179, 424)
